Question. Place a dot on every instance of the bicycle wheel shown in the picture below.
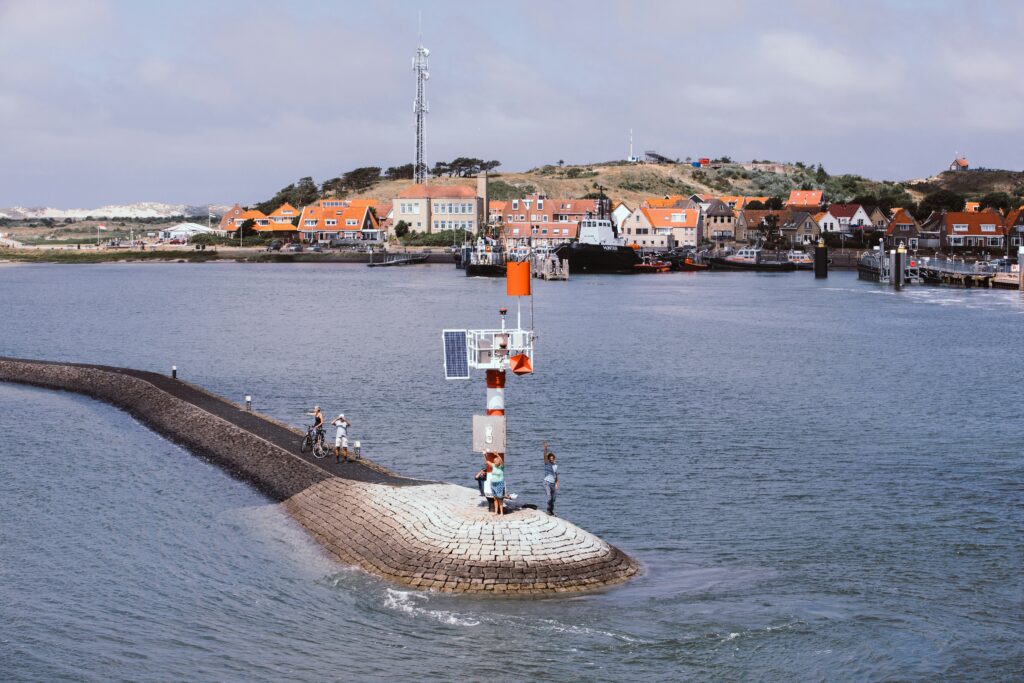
(318, 449)
(307, 444)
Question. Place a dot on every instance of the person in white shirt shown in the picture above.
(341, 438)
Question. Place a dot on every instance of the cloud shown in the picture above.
(192, 102)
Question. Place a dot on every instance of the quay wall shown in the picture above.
(427, 535)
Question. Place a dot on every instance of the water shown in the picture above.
(823, 480)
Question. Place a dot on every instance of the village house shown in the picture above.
(258, 218)
(959, 230)
(844, 218)
(972, 207)
(336, 219)
(738, 202)
(805, 200)
(547, 233)
(1015, 227)
(903, 228)
(227, 221)
(719, 222)
(799, 227)
(879, 220)
(433, 208)
(752, 221)
(619, 214)
(959, 164)
(669, 201)
(663, 229)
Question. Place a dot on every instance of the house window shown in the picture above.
(515, 204)
(988, 227)
(310, 223)
(995, 241)
(959, 227)
(956, 241)
(351, 221)
(330, 221)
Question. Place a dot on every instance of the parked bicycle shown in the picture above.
(314, 441)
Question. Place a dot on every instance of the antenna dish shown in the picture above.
(426, 75)
(426, 52)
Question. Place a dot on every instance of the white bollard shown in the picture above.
(357, 449)
(248, 403)
(174, 372)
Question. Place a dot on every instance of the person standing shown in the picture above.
(550, 478)
(341, 437)
(318, 423)
(498, 483)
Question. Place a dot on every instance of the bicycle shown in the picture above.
(314, 441)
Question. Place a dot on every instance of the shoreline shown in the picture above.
(244, 255)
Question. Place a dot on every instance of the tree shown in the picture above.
(940, 200)
(561, 163)
(403, 172)
(769, 229)
(997, 200)
(361, 178)
(774, 203)
(820, 175)
(401, 229)
(247, 228)
(754, 204)
(440, 169)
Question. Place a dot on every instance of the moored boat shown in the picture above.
(598, 250)
(750, 258)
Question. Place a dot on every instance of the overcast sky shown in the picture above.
(204, 101)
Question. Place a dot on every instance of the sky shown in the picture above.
(218, 101)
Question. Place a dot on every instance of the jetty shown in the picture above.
(418, 533)
(549, 267)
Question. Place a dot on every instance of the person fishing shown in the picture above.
(550, 478)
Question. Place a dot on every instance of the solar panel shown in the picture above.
(456, 358)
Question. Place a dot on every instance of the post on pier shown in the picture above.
(821, 260)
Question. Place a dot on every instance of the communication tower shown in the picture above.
(420, 108)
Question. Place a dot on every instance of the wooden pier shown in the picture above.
(549, 267)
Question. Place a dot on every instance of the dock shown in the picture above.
(956, 273)
(549, 267)
(417, 533)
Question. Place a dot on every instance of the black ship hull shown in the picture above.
(485, 270)
(767, 267)
(598, 258)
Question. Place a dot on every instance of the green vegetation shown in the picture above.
(940, 200)
(401, 229)
(503, 191)
(297, 194)
(443, 238)
(463, 167)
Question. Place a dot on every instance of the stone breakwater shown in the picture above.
(418, 533)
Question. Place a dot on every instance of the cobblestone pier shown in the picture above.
(418, 533)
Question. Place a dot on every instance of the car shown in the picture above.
(294, 246)
(428, 251)
(275, 245)
(317, 248)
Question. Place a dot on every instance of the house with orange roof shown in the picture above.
(433, 208)
(754, 220)
(808, 200)
(968, 230)
(669, 201)
(227, 221)
(258, 218)
(972, 207)
(660, 229)
(496, 210)
(739, 202)
(550, 233)
(538, 217)
(903, 229)
(334, 219)
(959, 163)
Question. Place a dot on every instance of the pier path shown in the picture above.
(419, 533)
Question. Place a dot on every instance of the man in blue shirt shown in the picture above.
(550, 478)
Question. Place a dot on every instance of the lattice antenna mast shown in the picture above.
(420, 108)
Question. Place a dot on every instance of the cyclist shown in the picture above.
(341, 437)
(318, 423)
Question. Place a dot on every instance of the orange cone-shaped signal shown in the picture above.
(517, 278)
(521, 364)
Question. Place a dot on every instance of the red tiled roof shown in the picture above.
(843, 210)
(664, 218)
(804, 198)
(973, 221)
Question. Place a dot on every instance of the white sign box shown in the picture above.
(489, 433)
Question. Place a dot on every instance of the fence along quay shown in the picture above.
(421, 534)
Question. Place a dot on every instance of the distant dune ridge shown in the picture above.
(620, 180)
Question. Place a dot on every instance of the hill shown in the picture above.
(972, 184)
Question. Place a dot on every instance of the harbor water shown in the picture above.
(823, 479)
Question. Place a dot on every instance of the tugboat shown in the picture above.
(599, 248)
(484, 259)
(750, 258)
